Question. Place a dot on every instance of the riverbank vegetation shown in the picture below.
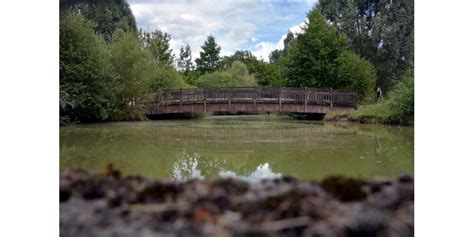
(110, 69)
(399, 108)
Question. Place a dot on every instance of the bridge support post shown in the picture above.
(279, 100)
(205, 100)
(255, 99)
(157, 102)
(332, 98)
(181, 100)
(305, 100)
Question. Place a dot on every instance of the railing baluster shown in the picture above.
(307, 96)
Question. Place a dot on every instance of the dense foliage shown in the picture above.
(102, 81)
(131, 71)
(356, 74)
(311, 60)
(269, 74)
(318, 57)
(275, 56)
(158, 44)
(266, 74)
(86, 92)
(108, 15)
(397, 108)
(243, 56)
(381, 31)
(236, 76)
(402, 100)
(209, 59)
(185, 60)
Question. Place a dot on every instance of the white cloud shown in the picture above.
(235, 24)
(265, 48)
(189, 22)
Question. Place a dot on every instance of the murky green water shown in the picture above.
(245, 146)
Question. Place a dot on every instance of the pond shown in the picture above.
(250, 147)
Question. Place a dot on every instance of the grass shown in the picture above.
(397, 109)
(374, 113)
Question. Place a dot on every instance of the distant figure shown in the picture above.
(379, 94)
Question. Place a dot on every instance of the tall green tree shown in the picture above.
(311, 59)
(266, 74)
(108, 15)
(275, 55)
(158, 44)
(381, 31)
(165, 77)
(270, 74)
(133, 72)
(356, 74)
(319, 57)
(86, 93)
(209, 59)
(185, 61)
(243, 56)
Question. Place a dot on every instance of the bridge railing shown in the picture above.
(329, 97)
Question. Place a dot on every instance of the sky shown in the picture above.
(255, 25)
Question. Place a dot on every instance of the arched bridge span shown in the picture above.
(255, 99)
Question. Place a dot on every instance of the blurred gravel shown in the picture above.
(107, 204)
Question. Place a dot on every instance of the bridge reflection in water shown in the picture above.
(255, 99)
(232, 140)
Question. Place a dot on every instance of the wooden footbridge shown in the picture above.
(255, 99)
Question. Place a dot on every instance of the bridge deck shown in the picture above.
(256, 99)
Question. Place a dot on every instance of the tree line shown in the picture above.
(109, 69)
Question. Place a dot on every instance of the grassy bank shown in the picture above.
(375, 113)
(397, 108)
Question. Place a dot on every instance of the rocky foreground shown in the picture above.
(107, 204)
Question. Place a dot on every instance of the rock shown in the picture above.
(160, 191)
(405, 178)
(112, 205)
(345, 189)
(64, 194)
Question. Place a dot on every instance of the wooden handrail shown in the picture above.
(284, 95)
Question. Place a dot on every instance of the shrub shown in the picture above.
(85, 84)
(236, 76)
(356, 74)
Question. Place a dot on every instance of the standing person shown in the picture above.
(379, 94)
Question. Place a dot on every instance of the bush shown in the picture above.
(269, 74)
(131, 67)
(85, 83)
(318, 57)
(236, 76)
(102, 81)
(402, 99)
(399, 108)
(166, 77)
(356, 74)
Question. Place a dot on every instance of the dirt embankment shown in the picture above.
(110, 205)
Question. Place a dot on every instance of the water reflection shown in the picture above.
(263, 171)
(213, 147)
(188, 167)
